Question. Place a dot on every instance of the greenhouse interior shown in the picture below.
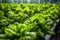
(29, 19)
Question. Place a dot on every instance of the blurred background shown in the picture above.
(29, 1)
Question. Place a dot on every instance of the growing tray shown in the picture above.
(47, 37)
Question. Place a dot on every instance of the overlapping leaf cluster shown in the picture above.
(28, 21)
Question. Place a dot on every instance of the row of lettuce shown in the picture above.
(28, 21)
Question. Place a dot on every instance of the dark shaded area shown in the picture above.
(54, 1)
(57, 31)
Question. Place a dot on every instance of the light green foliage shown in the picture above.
(28, 21)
